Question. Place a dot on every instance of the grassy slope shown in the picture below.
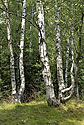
(39, 113)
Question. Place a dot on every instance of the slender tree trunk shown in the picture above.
(62, 90)
(17, 71)
(50, 95)
(72, 57)
(79, 54)
(66, 68)
(13, 81)
(77, 91)
(30, 44)
(59, 57)
(77, 86)
(17, 56)
(71, 88)
(21, 65)
(76, 76)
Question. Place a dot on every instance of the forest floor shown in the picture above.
(39, 113)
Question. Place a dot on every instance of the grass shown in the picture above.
(39, 113)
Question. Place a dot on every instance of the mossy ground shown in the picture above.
(39, 113)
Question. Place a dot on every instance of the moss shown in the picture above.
(39, 113)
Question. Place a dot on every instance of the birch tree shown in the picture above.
(16, 95)
(72, 56)
(21, 64)
(50, 95)
(62, 90)
(79, 53)
(13, 80)
(59, 56)
(66, 65)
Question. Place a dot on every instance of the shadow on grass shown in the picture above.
(40, 114)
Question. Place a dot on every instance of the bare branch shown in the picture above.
(67, 89)
(68, 97)
(11, 13)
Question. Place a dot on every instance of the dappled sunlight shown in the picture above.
(75, 122)
(37, 102)
(39, 113)
(73, 104)
(7, 106)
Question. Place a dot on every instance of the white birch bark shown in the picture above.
(13, 81)
(59, 57)
(50, 95)
(71, 88)
(21, 65)
(77, 87)
(77, 91)
(17, 57)
(72, 57)
(66, 67)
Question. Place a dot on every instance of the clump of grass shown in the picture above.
(39, 113)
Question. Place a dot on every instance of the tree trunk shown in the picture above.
(67, 61)
(21, 65)
(76, 83)
(77, 91)
(13, 81)
(79, 55)
(59, 57)
(50, 95)
(30, 44)
(62, 90)
(72, 57)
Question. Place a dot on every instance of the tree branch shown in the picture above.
(11, 13)
(67, 89)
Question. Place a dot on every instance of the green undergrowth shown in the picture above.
(39, 113)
